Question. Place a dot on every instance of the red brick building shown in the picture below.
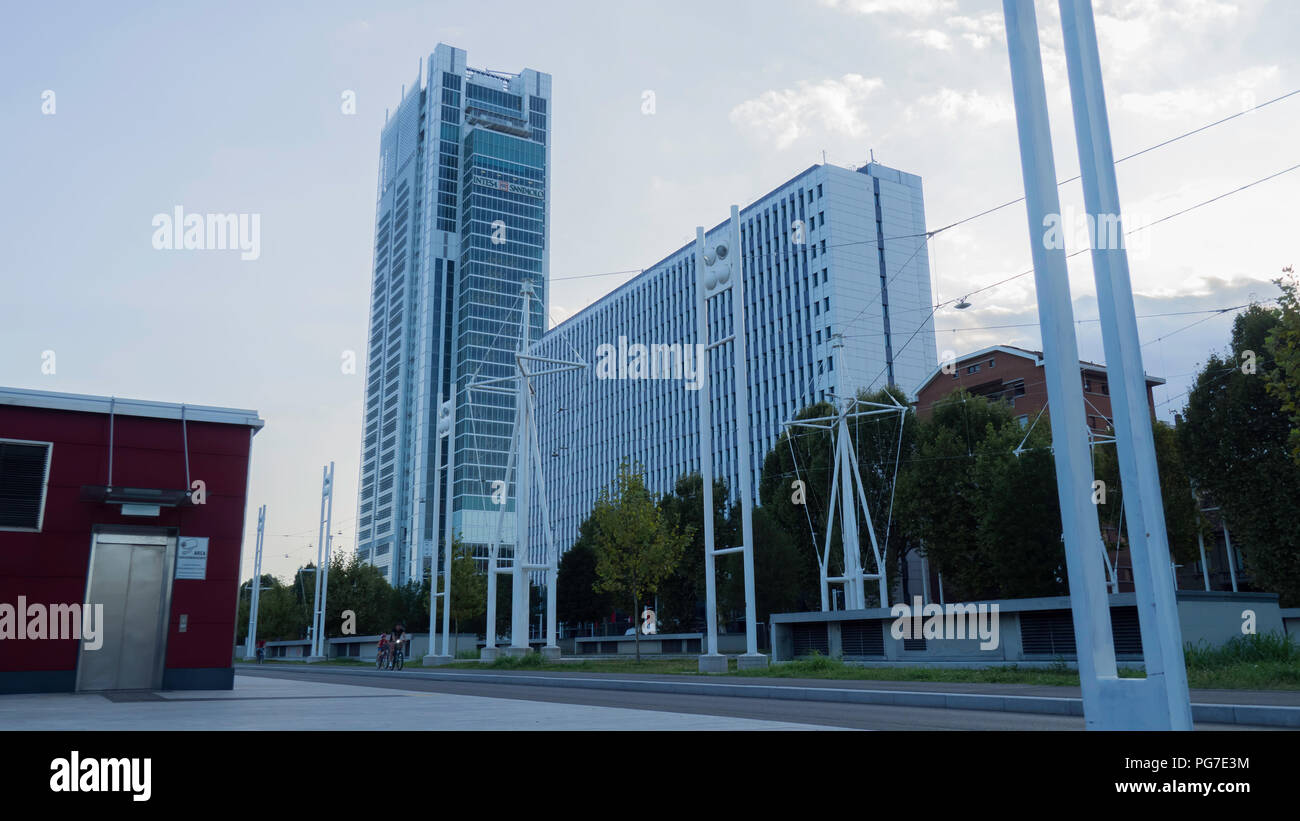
(125, 518)
(1016, 376)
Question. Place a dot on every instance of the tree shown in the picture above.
(1235, 436)
(576, 598)
(1283, 344)
(269, 582)
(468, 586)
(939, 499)
(1182, 519)
(635, 547)
(1019, 513)
(780, 574)
(794, 489)
(681, 593)
(361, 587)
(989, 519)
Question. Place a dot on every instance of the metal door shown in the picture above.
(131, 576)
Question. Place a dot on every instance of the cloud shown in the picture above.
(911, 8)
(951, 106)
(980, 32)
(932, 38)
(1229, 94)
(834, 106)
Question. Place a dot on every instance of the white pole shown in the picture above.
(854, 592)
(1096, 652)
(433, 558)
(1154, 585)
(1227, 546)
(706, 449)
(324, 573)
(743, 429)
(250, 646)
(523, 488)
(448, 535)
(320, 552)
(552, 555)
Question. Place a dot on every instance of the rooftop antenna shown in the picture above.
(823, 156)
(873, 154)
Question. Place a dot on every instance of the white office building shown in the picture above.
(829, 252)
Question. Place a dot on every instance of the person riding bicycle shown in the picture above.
(383, 645)
(399, 630)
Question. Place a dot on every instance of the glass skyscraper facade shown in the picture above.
(461, 225)
(830, 253)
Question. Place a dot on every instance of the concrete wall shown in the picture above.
(1212, 618)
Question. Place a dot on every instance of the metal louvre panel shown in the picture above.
(1052, 632)
(1126, 632)
(810, 637)
(1047, 633)
(22, 483)
(862, 638)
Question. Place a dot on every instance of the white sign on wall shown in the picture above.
(192, 558)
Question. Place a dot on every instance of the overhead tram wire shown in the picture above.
(930, 233)
(1212, 311)
(1129, 231)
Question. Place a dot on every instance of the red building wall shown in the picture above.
(50, 567)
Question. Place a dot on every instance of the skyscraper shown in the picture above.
(461, 223)
(831, 257)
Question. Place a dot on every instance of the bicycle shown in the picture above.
(397, 658)
(381, 658)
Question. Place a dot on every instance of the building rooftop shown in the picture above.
(86, 403)
(1037, 356)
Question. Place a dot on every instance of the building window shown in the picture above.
(973, 368)
(991, 362)
(819, 190)
(1023, 420)
(24, 471)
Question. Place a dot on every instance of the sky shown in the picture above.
(664, 114)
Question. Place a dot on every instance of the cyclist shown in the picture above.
(383, 649)
(399, 630)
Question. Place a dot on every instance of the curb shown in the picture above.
(1247, 714)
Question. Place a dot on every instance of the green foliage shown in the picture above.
(279, 614)
(468, 586)
(1182, 519)
(1283, 342)
(362, 588)
(814, 459)
(636, 548)
(809, 456)
(576, 599)
(1018, 513)
(1250, 649)
(990, 521)
(681, 593)
(1234, 437)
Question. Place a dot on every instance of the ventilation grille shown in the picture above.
(809, 638)
(862, 638)
(1051, 632)
(23, 469)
